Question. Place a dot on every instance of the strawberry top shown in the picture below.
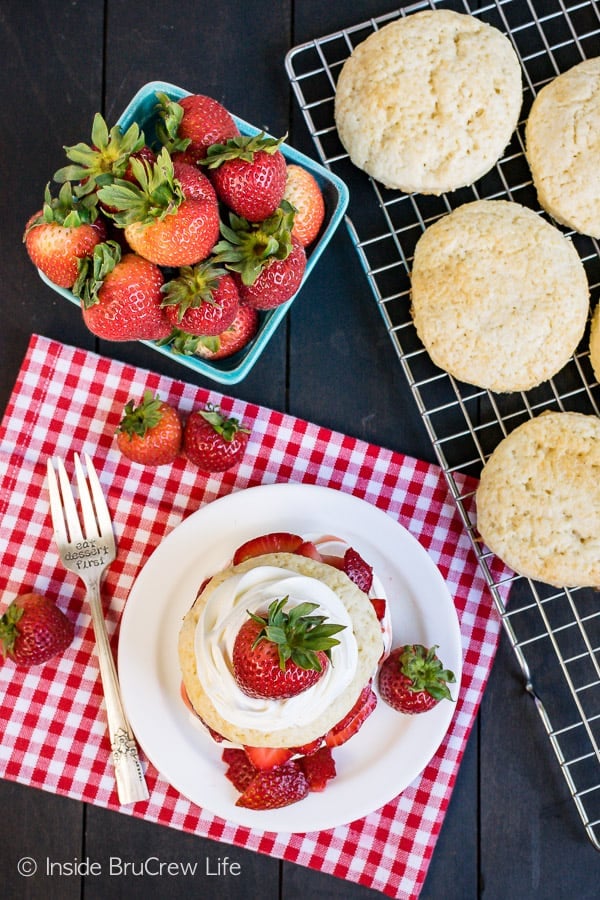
(107, 158)
(249, 174)
(284, 653)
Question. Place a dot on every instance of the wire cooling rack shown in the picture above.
(555, 633)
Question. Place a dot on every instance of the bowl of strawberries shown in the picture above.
(186, 228)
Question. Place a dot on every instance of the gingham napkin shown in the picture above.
(52, 721)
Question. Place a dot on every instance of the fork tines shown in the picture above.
(97, 523)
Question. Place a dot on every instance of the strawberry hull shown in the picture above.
(335, 193)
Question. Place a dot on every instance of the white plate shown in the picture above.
(389, 751)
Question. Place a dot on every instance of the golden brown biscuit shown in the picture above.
(500, 298)
(429, 102)
(538, 501)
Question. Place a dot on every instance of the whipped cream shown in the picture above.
(224, 614)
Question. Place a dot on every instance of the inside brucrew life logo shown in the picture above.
(152, 867)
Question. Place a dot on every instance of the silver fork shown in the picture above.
(88, 552)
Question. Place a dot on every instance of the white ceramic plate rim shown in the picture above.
(390, 750)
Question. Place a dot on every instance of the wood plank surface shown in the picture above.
(511, 829)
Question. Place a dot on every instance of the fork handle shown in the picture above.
(131, 784)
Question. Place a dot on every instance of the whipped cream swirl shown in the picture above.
(224, 614)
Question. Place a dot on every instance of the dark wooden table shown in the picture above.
(511, 829)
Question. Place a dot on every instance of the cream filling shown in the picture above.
(222, 618)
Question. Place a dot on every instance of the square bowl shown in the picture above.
(141, 109)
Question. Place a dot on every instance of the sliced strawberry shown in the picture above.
(275, 788)
(307, 749)
(359, 571)
(319, 768)
(352, 721)
(379, 605)
(265, 758)
(240, 770)
(309, 550)
(331, 559)
(274, 542)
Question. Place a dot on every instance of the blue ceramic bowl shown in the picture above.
(141, 109)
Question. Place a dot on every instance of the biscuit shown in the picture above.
(429, 102)
(367, 632)
(538, 501)
(500, 297)
(595, 342)
(562, 139)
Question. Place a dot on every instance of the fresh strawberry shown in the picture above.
(189, 126)
(249, 175)
(274, 788)
(278, 281)
(194, 183)
(310, 551)
(151, 432)
(108, 157)
(213, 442)
(237, 336)
(268, 757)
(33, 630)
(283, 654)
(161, 223)
(303, 192)
(353, 720)
(121, 297)
(307, 749)
(202, 299)
(359, 571)
(413, 680)
(267, 260)
(273, 542)
(240, 770)
(379, 605)
(64, 231)
(319, 768)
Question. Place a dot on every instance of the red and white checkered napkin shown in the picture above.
(52, 722)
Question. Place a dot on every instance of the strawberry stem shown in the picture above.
(298, 634)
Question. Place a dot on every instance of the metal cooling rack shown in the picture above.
(466, 423)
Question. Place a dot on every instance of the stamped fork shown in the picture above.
(88, 551)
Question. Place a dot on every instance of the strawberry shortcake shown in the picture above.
(278, 656)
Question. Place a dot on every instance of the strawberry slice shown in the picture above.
(331, 559)
(319, 768)
(352, 721)
(310, 550)
(359, 571)
(379, 607)
(307, 749)
(275, 788)
(240, 770)
(274, 542)
(265, 758)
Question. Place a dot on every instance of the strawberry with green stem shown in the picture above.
(216, 346)
(62, 233)
(162, 221)
(202, 299)
(249, 174)
(33, 630)
(189, 126)
(283, 653)
(150, 432)
(108, 157)
(121, 298)
(212, 441)
(268, 262)
(413, 680)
